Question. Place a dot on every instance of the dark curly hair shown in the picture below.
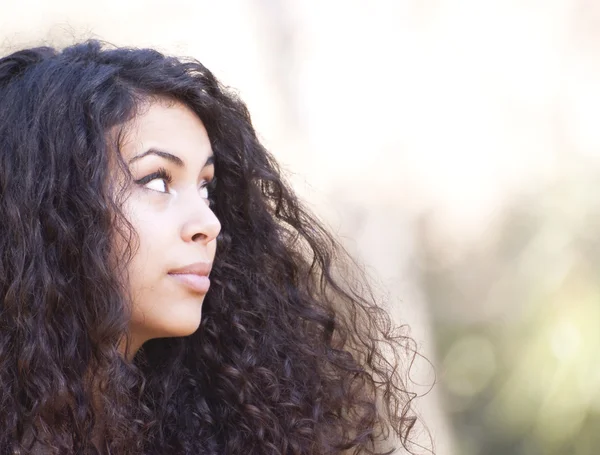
(293, 355)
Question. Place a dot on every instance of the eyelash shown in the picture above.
(162, 173)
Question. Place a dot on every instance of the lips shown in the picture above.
(193, 276)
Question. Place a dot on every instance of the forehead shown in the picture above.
(168, 125)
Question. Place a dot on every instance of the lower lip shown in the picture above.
(196, 283)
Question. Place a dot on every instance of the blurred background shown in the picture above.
(454, 146)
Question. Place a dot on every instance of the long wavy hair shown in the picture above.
(292, 356)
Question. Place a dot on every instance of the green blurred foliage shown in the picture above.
(517, 318)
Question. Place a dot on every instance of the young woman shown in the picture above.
(162, 290)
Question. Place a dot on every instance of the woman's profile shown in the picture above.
(162, 290)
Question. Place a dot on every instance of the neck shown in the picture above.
(130, 345)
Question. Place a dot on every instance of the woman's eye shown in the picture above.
(206, 190)
(158, 181)
(159, 185)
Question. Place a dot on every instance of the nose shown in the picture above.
(200, 223)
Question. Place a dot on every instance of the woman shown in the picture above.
(162, 290)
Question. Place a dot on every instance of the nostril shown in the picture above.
(198, 236)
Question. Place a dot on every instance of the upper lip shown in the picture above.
(197, 268)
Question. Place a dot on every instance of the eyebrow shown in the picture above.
(169, 157)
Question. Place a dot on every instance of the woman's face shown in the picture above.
(171, 160)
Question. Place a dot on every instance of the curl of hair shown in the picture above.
(290, 358)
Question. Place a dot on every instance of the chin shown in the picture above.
(187, 326)
(188, 330)
(178, 319)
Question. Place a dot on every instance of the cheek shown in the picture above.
(152, 226)
(152, 230)
(147, 272)
(152, 245)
